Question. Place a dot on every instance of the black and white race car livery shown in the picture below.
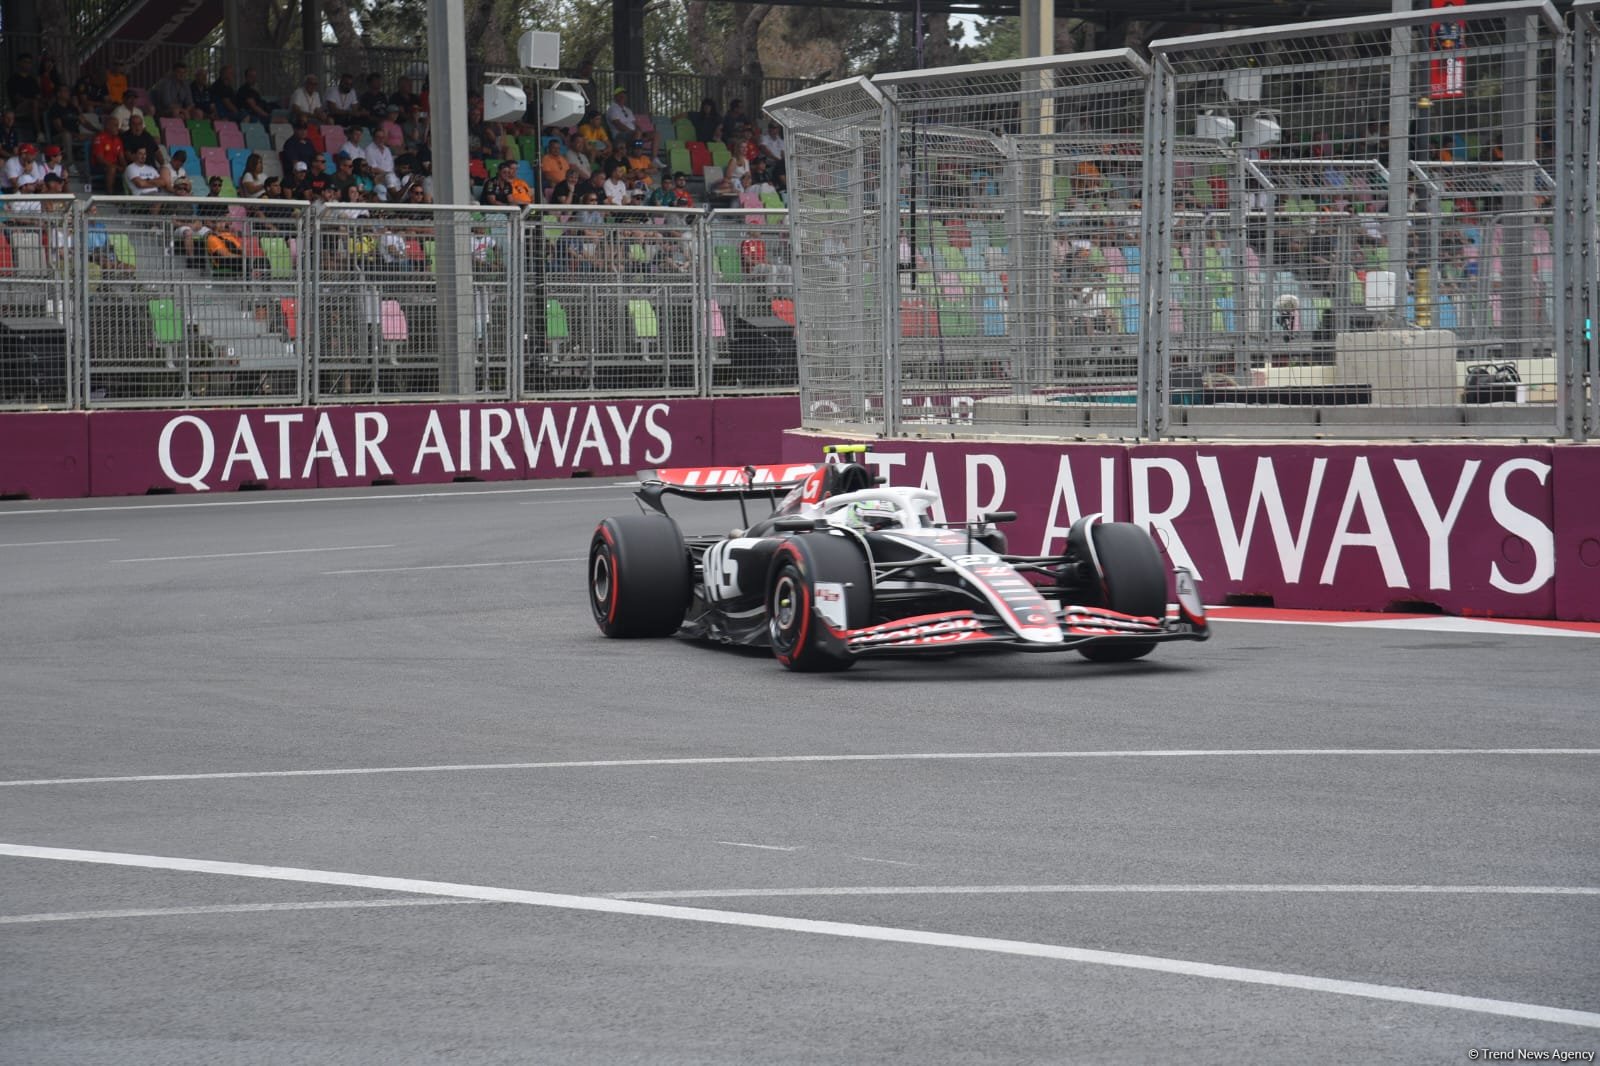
(844, 567)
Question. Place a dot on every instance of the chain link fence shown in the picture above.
(619, 293)
(413, 301)
(841, 162)
(1019, 189)
(1359, 227)
(39, 288)
(162, 300)
(1368, 205)
(190, 301)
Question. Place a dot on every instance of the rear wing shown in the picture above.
(753, 482)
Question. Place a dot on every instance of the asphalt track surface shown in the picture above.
(1293, 843)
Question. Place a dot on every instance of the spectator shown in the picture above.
(202, 95)
(616, 185)
(253, 182)
(374, 101)
(625, 124)
(63, 126)
(680, 190)
(49, 77)
(553, 164)
(105, 155)
(387, 129)
(594, 132)
(772, 144)
(578, 161)
(252, 105)
(126, 109)
(171, 98)
(344, 172)
(214, 187)
(306, 101)
(497, 190)
(141, 177)
(343, 102)
(224, 97)
(23, 90)
(272, 189)
(380, 158)
(734, 118)
(225, 248)
(23, 173)
(89, 93)
(191, 233)
(173, 169)
(404, 98)
(707, 123)
(416, 194)
(138, 137)
(352, 143)
(116, 81)
(10, 134)
(298, 148)
(53, 162)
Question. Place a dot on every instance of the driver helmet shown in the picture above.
(868, 514)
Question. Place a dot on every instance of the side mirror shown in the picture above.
(795, 524)
(997, 517)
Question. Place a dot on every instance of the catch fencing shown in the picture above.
(1360, 227)
(155, 301)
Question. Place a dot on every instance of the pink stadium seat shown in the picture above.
(719, 327)
(229, 135)
(393, 318)
(333, 138)
(174, 134)
(214, 161)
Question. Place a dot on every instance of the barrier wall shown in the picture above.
(1509, 530)
(120, 453)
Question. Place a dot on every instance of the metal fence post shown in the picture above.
(889, 221)
(1159, 205)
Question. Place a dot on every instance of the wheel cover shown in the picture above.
(600, 581)
(785, 609)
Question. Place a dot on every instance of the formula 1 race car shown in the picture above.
(845, 567)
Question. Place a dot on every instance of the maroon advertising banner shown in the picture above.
(132, 452)
(1470, 529)
(1576, 485)
(44, 455)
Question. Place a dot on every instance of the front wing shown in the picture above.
(973, 630)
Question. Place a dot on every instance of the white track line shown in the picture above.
(454, 566)
(247, 555)
(1000, 890)
(917, 937)
(274, 499)
(53, 543)
(743, 760)
(762, 847)
(231, 908)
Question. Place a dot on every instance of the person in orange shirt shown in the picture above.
(116, 81)
(553, 164)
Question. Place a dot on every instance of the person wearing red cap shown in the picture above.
(53, 161)
(23, 172)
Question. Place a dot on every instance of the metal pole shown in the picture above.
(447, 123)
(889, 257)
(1399, 148)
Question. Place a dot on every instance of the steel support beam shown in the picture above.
(447, 124)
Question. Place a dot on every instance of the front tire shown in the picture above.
(793, 629)
(1135, 583)
(639, 580)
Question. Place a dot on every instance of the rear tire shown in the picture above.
(792, 627)
(639, 580)
(1135, 583)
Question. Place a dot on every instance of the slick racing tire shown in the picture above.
(639, 583)
(1136, 583)
(798, 566)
